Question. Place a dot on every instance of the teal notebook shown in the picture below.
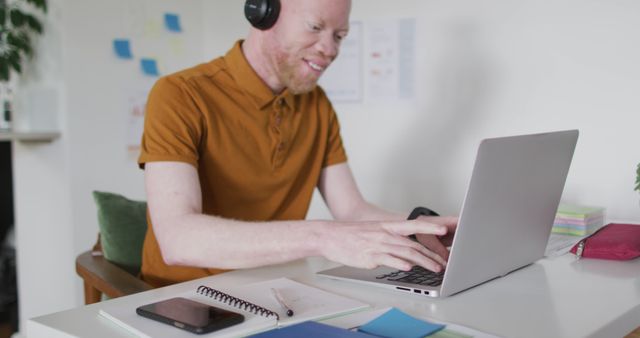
(312, 330)
(397, 324)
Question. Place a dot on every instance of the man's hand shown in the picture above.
(368, 244)
(372, 244)
(439, 244)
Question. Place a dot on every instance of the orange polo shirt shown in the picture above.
(258, 155)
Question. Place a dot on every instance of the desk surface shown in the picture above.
(558, 297)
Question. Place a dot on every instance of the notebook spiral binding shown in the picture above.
(236, 302)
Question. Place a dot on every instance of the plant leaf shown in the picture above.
(17, 17)
(33, 23)
(14, 60)
(42, 4)
(4, 69)
(637, 178)
(14, 40)
(13, 56)
(3, 16)
(16, 65)
(20, 41)
(26, 43)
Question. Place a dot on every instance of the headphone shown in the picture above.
(262, 14)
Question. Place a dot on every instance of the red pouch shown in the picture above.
(613, 241)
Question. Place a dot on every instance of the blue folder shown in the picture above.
(312, 330)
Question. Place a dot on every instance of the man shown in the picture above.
(233, 149)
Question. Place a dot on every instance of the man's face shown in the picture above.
(306, 39)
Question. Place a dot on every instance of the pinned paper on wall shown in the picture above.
(136, 103)
(342, 81)
(391, 59)
(172, 22)
(122, 48)
(153, 35)
(176, 45)
(132, 18)
(149, 67)
(153, 29)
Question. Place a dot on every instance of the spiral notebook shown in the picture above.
(255, 301)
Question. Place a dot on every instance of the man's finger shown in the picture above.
(418, 256)
(393, 262)
(434, 244)
(412, 227)
(451, 222)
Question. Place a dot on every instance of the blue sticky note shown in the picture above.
(172, 22)
(149, 67)
(397, 324)
(312, 330)
(122, 47)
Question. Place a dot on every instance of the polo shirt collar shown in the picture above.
(249, 82)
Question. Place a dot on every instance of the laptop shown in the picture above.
(505, 221)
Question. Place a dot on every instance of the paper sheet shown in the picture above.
(559, 245)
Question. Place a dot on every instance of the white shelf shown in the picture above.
(29, 136)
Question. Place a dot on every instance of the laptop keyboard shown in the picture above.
(417, 275)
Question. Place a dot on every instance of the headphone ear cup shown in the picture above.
(262, 14)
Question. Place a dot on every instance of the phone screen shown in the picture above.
(190, 315)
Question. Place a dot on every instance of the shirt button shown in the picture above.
(278, 120)
(281, 102)
(281, 146)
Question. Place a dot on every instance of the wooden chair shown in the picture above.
(101, 276)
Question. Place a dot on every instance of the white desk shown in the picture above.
(552, 298)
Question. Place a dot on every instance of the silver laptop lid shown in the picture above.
(509, 208)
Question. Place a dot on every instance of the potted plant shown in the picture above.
(17, 27)
(638, 178)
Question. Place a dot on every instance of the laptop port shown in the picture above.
(403, 289)
(417, 291)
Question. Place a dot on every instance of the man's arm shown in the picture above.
(188, 237)
(342, 196)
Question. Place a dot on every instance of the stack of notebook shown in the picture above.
(578, 220)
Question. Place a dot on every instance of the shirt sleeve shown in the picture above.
(335, 152)
(173, 125)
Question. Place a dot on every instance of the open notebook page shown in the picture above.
(307, 302)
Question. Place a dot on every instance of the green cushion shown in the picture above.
(123, 224)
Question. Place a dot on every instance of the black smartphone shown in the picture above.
(190, 315)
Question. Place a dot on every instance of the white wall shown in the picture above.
(487, 68)
(484, 69)
(494, 68)
(55, 213)
(223, 25)
(44, 232)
